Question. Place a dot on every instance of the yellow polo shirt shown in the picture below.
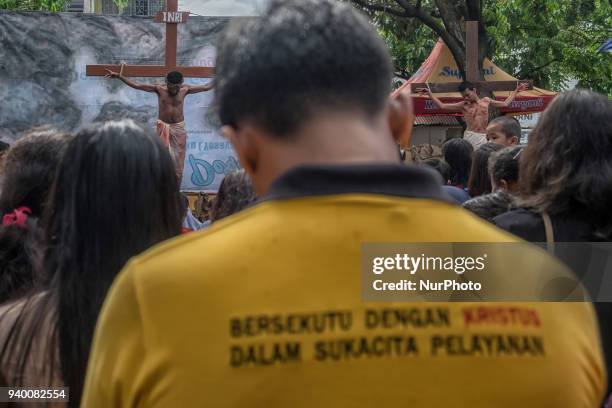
(264, 309)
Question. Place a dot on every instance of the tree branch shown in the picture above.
(376, 7)
(452, 15)
(427, 19)
(409, 10)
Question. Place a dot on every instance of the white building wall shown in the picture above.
(224, 7)
(435, 135)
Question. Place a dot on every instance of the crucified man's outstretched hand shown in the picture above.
(113, 74)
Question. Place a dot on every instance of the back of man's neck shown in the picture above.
(339, 140)
(334, 141)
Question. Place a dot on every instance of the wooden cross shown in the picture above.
(172, 17)
(472, 72)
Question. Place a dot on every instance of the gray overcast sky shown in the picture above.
(223, 7)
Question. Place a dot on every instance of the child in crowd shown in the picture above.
(503, 168)
(479, 182)
(457, 194)
(458, 154)
(441, 167)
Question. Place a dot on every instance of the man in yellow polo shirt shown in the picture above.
(265, 308)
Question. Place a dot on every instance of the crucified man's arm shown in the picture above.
(499, 104)
(200, 88)
(439, 103)
(130, 83)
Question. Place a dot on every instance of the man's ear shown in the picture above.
(401, 118)
(514, 140)
(503, 185)
(244, 145)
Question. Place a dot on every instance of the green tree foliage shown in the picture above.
(409, 41)
(400, 20)
(34, 5)
(549, 41)
(552, 41)
(121, 4)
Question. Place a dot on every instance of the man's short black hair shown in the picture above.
(510, 126)
(465, 85)
(301, 58)
(174, 77)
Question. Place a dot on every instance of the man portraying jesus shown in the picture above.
(171, 120)
(475, 110)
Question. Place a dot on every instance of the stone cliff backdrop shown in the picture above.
(42, 79)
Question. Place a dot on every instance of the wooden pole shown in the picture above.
(171, 37)
(471, 63)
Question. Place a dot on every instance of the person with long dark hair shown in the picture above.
(458, 154)
(115, 195)
(29, 170)
(479, 182)
(565, 181)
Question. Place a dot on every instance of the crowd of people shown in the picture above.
(102, 293)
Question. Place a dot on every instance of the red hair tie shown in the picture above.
(17, 218)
